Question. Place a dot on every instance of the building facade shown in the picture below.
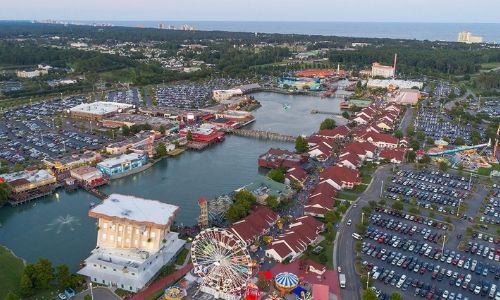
(134, 241)
(122, 164)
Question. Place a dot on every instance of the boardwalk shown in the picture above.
(94, 191)
(161, 283)
(266, 135)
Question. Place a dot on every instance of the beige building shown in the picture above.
(31, 73)
(379, 70)
(134, 241)
(468, 38)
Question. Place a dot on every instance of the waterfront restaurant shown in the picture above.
(122, 164)
(134, 241)
(28, 185)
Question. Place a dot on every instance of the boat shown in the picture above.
(345, 105)
(286, 106)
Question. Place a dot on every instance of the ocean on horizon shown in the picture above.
(418, 31)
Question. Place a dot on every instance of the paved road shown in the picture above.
(407, 120)
(344, 245)
(100, 293)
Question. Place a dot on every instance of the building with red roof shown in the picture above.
(339, 132)
(256, 224)
(320, 201)
(320, 147)
(393, 155)
(381, 140)
(277, 158)
(340, 177)
(302, 232)
(296, 173)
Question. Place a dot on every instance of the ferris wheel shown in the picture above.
(222, 260)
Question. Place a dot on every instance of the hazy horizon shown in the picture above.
(423, 11)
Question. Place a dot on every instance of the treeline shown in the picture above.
(420, 58)
(488, 81)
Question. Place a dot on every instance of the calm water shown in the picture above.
(418, 31)
(57, 227)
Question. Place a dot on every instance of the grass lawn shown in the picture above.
(181, 257)
(123, 75)
(366, 179)
(346, 196)
(155, 295)
(10, 272)
(489, 66)
(359, 188)
(327, 249)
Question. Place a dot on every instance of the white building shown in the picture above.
(222, 95)
(468, 38)
(98, 110)
(134, 241)
(393, 83)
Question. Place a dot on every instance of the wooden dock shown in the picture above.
(94, 191)
(265, 135)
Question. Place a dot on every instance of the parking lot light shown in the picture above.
(444, 240)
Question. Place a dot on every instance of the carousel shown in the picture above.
(285, 282)
(174, 293)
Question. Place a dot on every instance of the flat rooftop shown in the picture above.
(111, 162)
(100, 107)
(135, 209)
(31, 176)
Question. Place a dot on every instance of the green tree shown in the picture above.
(272, 202)
(189, 135)
(26, 286)
(18, 167)
(443, 166)
(331, 217)
(398, 134)
(41, 274)
(11, 296)
(327, 124)
(411, 156)
(369, 294)
(420, 135)
(5, 191)
(161, 150)
(396, 296)
(397, 206)
(459, 141)
(345, 115)
(162, 129)
(410, 130)
(430, 140)
(415, 145)
(64, 277)
(425, 159)
(277, 175)
(301, 144)
(125, 130)
(87, 297)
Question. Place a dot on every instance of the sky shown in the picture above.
(441, 11)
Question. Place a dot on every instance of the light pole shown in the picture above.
(367, 279)
(91, 292)
(381, 188)
(362, 217)
(459, 203)
(442, 248)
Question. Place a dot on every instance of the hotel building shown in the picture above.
(134, 241)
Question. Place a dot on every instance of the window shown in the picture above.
(112, 237)
(105, 225)
(136, 231)
(144, 243)
(120, 228)
(119, 239)
(146, 233)
(127, 241)
(103, 236)
(136, 242)
(153, 235)
(129, 229)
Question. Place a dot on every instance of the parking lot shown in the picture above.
(437, 125)
(434, 190)
(406, 253)
(33, 133)
(491, 214)
(130, 96)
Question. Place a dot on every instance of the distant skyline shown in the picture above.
(428, 11)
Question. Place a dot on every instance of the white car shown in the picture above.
(349, 222)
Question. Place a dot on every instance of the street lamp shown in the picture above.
(362, 217)
(91, 292)
(442, 248)
(367, 279)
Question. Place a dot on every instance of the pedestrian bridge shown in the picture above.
(265, 135)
